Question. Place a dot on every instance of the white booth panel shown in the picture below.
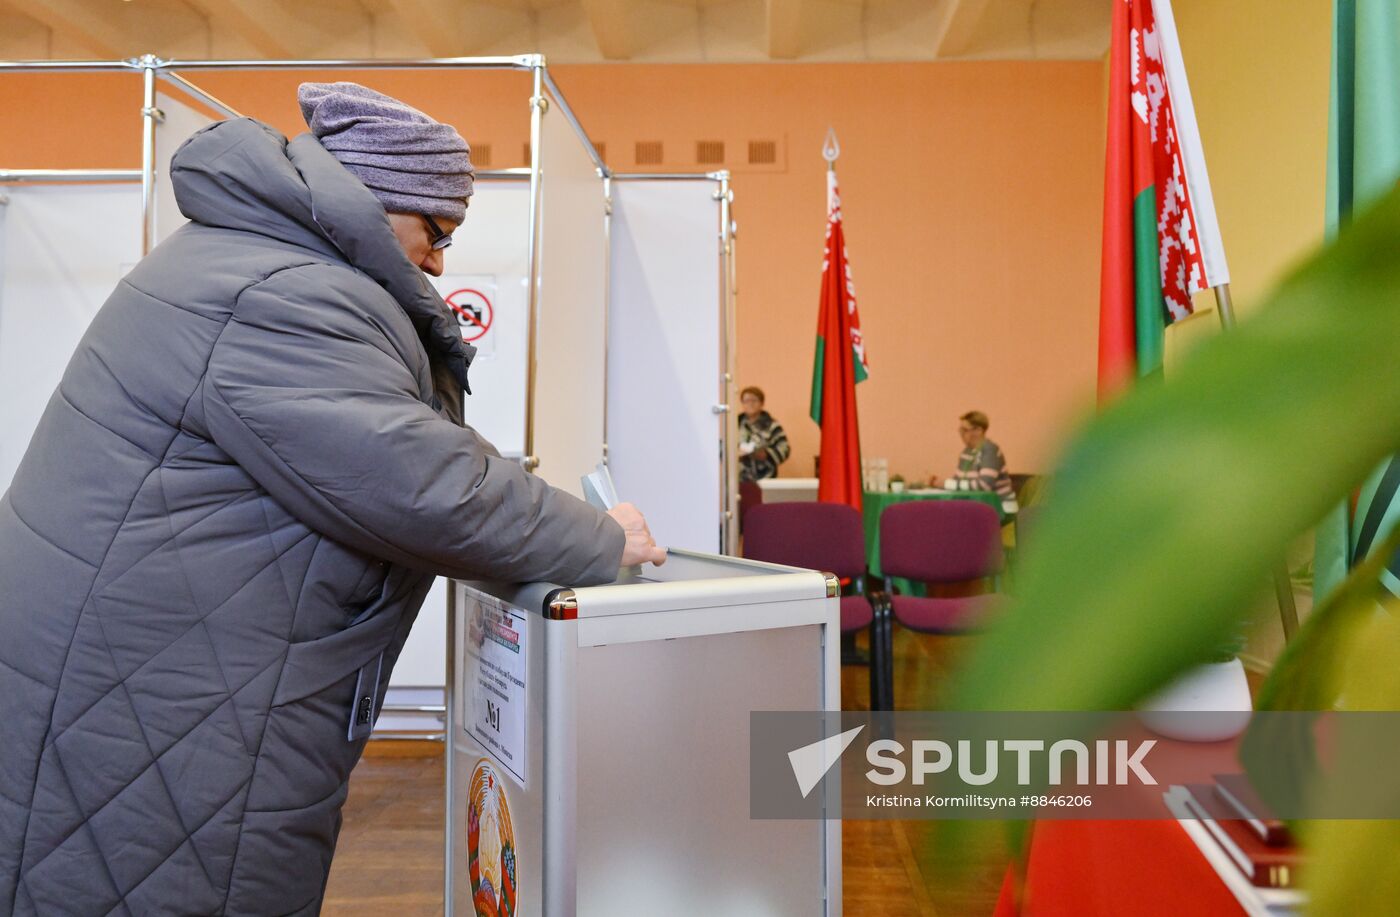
(486, 280)
(62, 250)
(570, 356)
(664, 358)
(179, 124)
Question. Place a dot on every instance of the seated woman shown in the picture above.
(763, 445)
(981, 466)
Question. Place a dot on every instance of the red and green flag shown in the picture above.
(840, 363)
(1161, 243)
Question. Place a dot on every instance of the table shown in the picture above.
(877, 500)
(1146, 868)
(788, 490)
(1108, 868)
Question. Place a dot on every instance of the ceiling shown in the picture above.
(566, 31)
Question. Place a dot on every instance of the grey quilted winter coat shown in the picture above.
(230, 513)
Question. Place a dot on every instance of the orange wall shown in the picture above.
(971, 195)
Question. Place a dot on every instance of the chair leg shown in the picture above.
(850, 653)
(877, 663)
(887, 651)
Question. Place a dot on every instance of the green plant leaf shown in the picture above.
(1281, 753)
(1353, 870)
(1172, 507)
(1308, 676)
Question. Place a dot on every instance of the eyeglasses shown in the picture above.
(440, 239)
(966, 429)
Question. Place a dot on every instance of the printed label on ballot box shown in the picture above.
(496, 706)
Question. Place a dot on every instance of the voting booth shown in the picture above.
(601, 306)
(589, 774)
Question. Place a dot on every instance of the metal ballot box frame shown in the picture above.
(598, 751)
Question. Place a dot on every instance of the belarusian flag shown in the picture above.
(839, 365)
(1363, 163)
(1161, 243)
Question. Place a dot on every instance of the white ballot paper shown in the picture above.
(598, 488)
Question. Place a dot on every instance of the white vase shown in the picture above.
(1218, 687)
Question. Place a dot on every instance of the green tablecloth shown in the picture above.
(876, 501)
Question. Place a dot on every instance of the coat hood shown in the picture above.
(243, 175)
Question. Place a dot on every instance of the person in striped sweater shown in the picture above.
(763, 445)
(981, 466)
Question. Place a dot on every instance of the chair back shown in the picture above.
(940, 541)
(821, 536)
(750, 495)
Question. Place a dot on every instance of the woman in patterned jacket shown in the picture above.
(763, 445)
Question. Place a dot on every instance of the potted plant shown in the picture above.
(1218, 684)
(1148, 550)
(897, 484)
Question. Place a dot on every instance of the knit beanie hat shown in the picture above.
(410, 162)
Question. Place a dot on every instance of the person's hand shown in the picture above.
(935, 481)
(640, 548)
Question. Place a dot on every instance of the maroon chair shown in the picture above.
(750, 495)
(828, 537)
(938, 542)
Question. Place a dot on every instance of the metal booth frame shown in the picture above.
(544, 93)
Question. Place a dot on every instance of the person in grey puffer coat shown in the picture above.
(230, 513)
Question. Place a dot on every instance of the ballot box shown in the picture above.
(598, 750)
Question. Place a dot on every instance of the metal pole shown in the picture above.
(722, 175)
(67, 66)
(1283, 583)
(607, 292)
(194, 91)
(149, 115)
(538, 106)
(518, 62)
(70, 175)
(574, 122)
(729, 500)
(449, 735)
(1224, 305)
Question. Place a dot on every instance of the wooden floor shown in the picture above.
(389, 860)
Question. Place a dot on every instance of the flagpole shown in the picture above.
(831, 149)
(1283, 583)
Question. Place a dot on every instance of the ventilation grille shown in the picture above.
(709, 152)
(763, 152)
(763, 155)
